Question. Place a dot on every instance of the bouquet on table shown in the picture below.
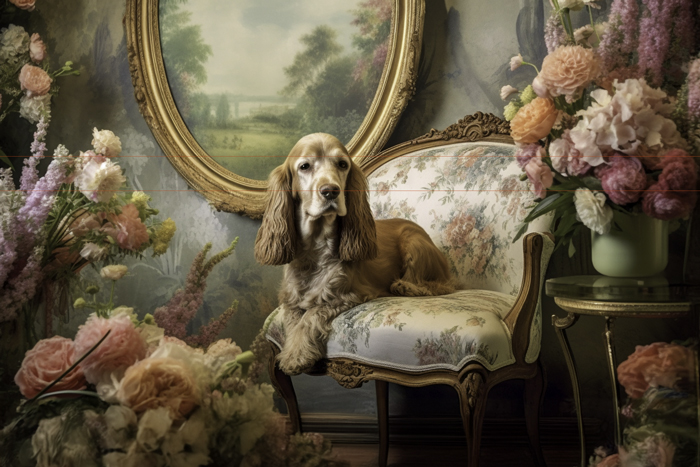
(75, 214)
(613, 116)
(125, 392)
(661, 414)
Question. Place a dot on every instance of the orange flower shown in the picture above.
(128, 230)
(159, 382)
(534, 121)
(568, 71)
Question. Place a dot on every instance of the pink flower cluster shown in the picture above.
(529, 158)
(656, 365)
(675, 192)
(623, 178)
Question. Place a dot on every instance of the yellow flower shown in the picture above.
(140, 200)
(163, 236)
(528, 95)
(510, 110)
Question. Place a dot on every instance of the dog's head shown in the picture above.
(317, 179)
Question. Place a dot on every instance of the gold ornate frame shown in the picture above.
(224, 189)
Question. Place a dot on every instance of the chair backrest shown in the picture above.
(466, 192)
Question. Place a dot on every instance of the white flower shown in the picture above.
(189, 445)
(60, 152)
(592, 3)
(113, 272)
(592, 211)
(585, 141)
(193, 357)
(108, 386)
(153, 427)
(540, 88)
(119, 417)
(33, 108)
(574, 5)
(507, 91)
(99, 180)
(14, 41)
(582, 34)
(151, 333)
(93, 252)
(559, 150)
(516, 62)
(106, 143)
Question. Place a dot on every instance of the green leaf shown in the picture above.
(548, 204)
(592, 183)
(5, 159)
(572, 248)
(521, 231)
(566, 225)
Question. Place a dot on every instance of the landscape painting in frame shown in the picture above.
(250, 77)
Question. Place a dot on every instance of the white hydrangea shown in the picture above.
(14, 41)
(592, 211)
(636, 114)
(106, 143)
(33, 108)
(153, 427)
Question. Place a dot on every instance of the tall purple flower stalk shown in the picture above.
(21, 288)
(655, 38)
(30, 175)
(183, 306)
(621, 40)
(694, 90)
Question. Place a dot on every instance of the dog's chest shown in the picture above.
(315, 284)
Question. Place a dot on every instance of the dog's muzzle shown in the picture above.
(329, 192)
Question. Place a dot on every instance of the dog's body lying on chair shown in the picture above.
(318, 221)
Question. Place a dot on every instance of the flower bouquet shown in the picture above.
(661, 426)
(26, 80)
(125, 393)
(611, 120)
(75, 214)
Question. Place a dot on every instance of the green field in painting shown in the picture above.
(249, 149)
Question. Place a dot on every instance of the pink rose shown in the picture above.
(127, 229)
(24, 4)
(526, 152)
(122, 348)
(34, 80)
(37, 49)
(566, 158)
(44, 363)
(657, 364)
(623, 178)
(540, 175)
(610, 461)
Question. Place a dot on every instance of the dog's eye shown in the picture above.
(343, 165)
(305, 166)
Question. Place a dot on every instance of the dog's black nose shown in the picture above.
(330, 192)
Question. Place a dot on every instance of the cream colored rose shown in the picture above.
(533, 121)
(37, 49)
(24, 4)
(568, 71)
(113, 272)
(106, 143)
(34, 80)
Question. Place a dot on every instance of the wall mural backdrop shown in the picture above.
(467, 46)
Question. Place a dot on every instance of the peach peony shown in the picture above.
(568, 71)
(123, 347)
(533, 121)
(24, 4)
(47, 361)
(127, 229)
(657, 364)
(37, 49)
(34, 80)
(159, 382)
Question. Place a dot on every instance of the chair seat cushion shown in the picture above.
(421, 333)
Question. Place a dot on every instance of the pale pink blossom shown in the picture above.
(45, 363)
(507, 91)
(540, 175)
(516, 62)
(37, 49)
(568, 71)
(566, 158)
(122, 348)
(34, 80)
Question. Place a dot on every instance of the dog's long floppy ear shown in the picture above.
(358, 234)
(277, 237)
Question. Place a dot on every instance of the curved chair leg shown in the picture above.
(382, 390)
(472, 404)
(534, 394)
(283, 383)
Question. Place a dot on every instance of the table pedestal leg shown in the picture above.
(612, 365)
(560, 324)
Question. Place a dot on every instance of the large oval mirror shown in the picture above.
(227, 88)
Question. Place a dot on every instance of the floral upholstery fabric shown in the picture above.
(470, 200)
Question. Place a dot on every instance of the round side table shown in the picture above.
(613, 298)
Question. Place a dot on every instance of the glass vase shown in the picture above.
(638, 249)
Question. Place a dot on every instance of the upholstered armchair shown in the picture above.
(463, 186)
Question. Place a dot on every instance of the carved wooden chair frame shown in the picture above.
(472, 382)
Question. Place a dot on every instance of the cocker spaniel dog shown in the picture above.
(318, 222)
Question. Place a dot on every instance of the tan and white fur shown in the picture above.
(318, 222)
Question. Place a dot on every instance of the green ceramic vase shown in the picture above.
(638, 249)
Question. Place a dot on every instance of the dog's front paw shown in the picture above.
(294, 364)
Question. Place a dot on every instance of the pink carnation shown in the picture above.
(540, 175)
(127, 229)
(44, 363)
(623, 178)
(526, 152)
(122, 348)
(655, 365)
(675, 193)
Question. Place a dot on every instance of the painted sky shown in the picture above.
(253, 40)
